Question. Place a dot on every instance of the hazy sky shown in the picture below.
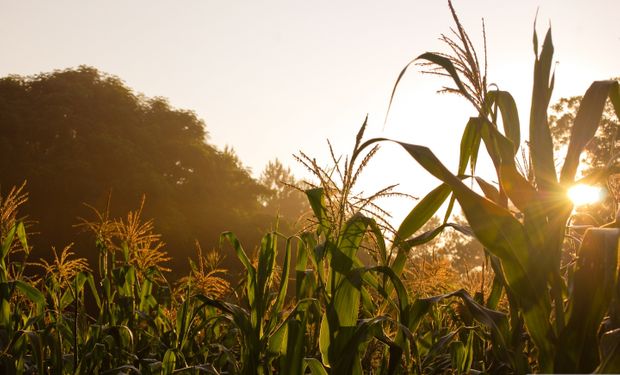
(271, 78)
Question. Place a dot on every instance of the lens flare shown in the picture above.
(582, 195)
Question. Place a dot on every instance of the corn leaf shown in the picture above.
(292, 362)
(505, 237)
(610, 353)
(541, 144)
(586, 123)
(470, 144)
(593, 287)
(31, 293)
(423, 211)
(489, 191)
(510, 116)
(338, 324)
(8, 242)
(316, 198)
(169, 362)
(315, 366)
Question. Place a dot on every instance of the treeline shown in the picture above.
(81, 137)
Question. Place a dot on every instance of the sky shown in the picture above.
(271, 78)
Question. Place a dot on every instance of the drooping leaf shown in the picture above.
(490, 192)
(434, 58)
(594, 283)
(510, 116)
(505, 237)
(586, 123)
(423, 211)
(31, 293)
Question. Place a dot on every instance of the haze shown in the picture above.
(271, 78)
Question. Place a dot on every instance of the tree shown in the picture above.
(79, 136)
(600, 154)
(284, 197)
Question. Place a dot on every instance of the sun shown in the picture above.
(582, 194)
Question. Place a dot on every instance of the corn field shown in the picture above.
(326, 309)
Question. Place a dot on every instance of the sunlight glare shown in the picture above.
(582, 195)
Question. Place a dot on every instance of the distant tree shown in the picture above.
(79, 135)
(284, 197)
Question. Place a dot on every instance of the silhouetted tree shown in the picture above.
(284, 197)
(79, 135)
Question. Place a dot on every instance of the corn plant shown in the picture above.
(21, 304)
(522, 222)
(367, 310)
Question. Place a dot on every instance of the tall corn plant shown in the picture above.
(356, 309)
(266, 331)
(21, 304)
(131, 300)
(366, 308)
(522, 223)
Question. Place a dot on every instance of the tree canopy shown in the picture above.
(81, 136)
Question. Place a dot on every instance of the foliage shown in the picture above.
(285, 197)
(79, 135)
(600, 155)
(349, 314)
(522, 224)
(602, 149)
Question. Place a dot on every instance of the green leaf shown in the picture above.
(315, 366)
(610, 353)
(458, 354)
(510, 116)
(419, 215)
(316, 198)
(283, 278)
(31, 293)
(169, 362)
(348, 362)
(541, 144)
(266, 263)
(501, 151)
(293, 360)
(586, 123)
(251, 284)
(434, 58)
(489, 190)
(340, 319)
(593, 287)
(36, 347)
(470, 144)
(401, 292)
(505, 237)
(423, 211)
(8, 242)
